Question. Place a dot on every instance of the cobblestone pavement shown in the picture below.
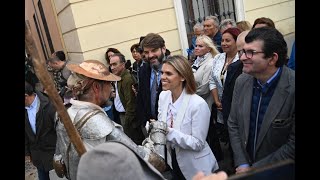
(32, 174)
(30, 171)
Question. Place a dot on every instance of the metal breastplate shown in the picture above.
(93, 126)
(97, 129)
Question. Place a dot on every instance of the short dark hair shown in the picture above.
(136, 47)
(273, 42)
(128, 64)
(60, 55)
(167, 53)
(140, 40)
(121, 57)
(153, 40)
(28, 89)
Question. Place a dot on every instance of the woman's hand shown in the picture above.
(221, 175)
(219, 105)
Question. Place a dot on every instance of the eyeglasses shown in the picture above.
(248, 53)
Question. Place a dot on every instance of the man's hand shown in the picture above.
(242, 169)
(27, 158)
(134, 89)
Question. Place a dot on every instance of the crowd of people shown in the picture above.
(237, 87)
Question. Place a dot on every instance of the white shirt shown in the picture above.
(32, 113)
(117, 102)
(173, 110)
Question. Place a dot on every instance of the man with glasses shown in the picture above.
(261, 123)
(125, 99)
(150, 86)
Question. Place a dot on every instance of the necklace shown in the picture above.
(225, 67)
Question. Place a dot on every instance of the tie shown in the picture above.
(154, 94)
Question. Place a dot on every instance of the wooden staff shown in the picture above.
(44, 77)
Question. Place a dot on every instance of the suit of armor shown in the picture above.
(94, 127)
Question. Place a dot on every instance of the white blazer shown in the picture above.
(189, 139)
(202, 79)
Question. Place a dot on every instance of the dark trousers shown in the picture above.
(213, 137)
(176, 172)
(42, 174)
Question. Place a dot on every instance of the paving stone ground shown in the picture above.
(32, 174)
(30, 171)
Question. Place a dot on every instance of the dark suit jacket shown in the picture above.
(128, 99)
(41, 146)
(276, 139)
(234, 70)
(143, 111)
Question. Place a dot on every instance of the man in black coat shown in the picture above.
(154, 50)
(40, 135)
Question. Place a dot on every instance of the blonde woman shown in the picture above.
(187, 116)
(205, 51)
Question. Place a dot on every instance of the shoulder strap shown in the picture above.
(85, 119)
(78, 126)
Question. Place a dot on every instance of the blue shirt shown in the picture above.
(217, 41)
(269, 80)
(32, 113)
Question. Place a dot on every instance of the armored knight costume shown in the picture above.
(95, 127)
(93, 124)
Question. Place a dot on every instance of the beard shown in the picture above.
(159, 60)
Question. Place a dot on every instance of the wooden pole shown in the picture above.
(46, 80)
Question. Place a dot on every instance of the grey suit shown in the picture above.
(276, 139)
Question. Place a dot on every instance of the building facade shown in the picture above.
(85, 29)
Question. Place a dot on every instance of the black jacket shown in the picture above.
(143, 108)
(41, 146)
(234, 70)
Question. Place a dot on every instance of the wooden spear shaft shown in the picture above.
(46, 80)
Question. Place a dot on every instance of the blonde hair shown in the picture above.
(244, 25)
(209, 43)
(182, 66)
